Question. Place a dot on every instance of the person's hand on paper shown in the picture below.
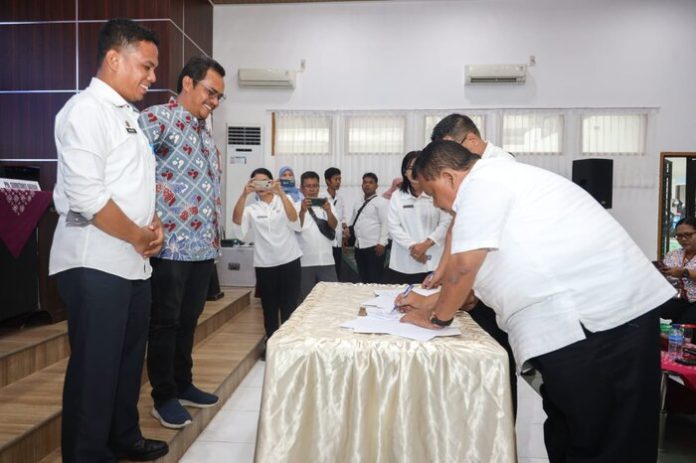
(414, 301)
(420, 318)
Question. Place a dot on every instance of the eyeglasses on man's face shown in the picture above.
(212, 93)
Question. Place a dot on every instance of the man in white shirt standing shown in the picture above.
(574, 292)
(461, 129)
(332, 177)
(371, 230)
(319, 223)
(108, 229)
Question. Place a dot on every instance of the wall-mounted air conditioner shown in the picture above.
(278, 78)
(496, 73)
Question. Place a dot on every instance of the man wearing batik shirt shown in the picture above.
(188, 203)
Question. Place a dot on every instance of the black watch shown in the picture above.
(443, 323)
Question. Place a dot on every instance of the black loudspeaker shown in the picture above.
(596, 176)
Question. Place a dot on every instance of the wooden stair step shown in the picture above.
(220, 364)
(27, 351)
(30, 407)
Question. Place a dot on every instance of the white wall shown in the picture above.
(411, 55)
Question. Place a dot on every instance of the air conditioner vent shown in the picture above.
(244, 135)
(496, 73)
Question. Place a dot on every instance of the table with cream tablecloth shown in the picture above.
(331, 395)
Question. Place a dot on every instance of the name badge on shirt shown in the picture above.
(408, 206)
(261, 216)
(130, 129)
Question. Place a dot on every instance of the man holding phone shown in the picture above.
(318, 220)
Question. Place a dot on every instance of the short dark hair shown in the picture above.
(455, 126)
(443, 154)
(687, 221)
(262, 170)
(307, 175)
(406, 185)
(196, 68)
(330, 172)
(119, 33)
(370, 175)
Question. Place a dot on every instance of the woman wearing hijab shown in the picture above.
(287, 174)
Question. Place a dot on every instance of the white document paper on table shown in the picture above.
(395, 292)
(370, 325)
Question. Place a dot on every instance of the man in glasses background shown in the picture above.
(188, 203)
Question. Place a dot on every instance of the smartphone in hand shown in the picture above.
(287, 183)
(318, 201)
(262, 184)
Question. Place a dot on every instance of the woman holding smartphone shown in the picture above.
(273, 220)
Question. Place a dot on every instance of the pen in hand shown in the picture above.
(404, 294)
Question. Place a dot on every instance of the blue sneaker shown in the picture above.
(194, 397)
(171, 414)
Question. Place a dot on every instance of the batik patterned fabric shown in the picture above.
(188, 182)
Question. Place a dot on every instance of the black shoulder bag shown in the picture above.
(350, 242)
(323, 225)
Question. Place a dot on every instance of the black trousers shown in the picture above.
(370, 265)
(397, 278)
(107, 329)
(179, 290)
(279, 288)
(485, 317)
(338, 258)
(601, 395)
(679, 311)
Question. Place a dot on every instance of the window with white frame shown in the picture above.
(606, 134)
(375, 134)
(430, 121)
(300, 133)
(533, 132)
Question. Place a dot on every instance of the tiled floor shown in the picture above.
(231, 436)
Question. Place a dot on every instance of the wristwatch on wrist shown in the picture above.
(443, 323)
(685, 273)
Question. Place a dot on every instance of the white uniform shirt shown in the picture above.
(411, 220)
(493, 151)
(371, 228)
(556, 258)
(316, 248)
(102, 155)
(274, 235)
(339, 211)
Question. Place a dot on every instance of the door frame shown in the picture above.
(661, 199)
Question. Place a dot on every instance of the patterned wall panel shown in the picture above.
(37, 10)
(198, 23)
(26, 124)
(38, 56)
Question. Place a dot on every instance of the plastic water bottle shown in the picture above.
(676, 342)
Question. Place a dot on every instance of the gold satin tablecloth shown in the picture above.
(334, 396)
